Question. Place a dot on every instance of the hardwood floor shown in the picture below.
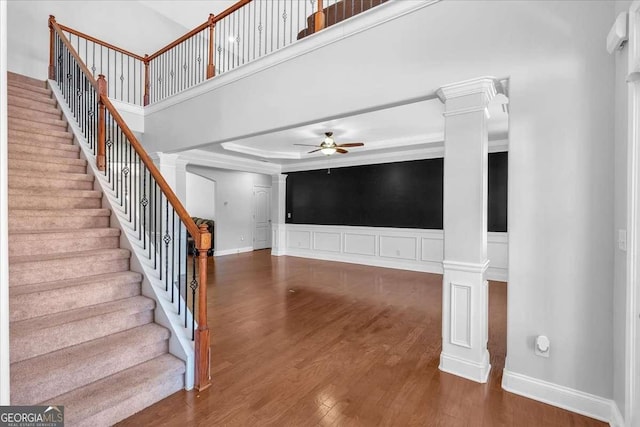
(298, 342)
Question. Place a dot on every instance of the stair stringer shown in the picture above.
(166, 312)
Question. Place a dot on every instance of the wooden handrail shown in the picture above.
(100, 42)
(201, 235)
(179, 40)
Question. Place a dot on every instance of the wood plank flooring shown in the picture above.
(298, 342)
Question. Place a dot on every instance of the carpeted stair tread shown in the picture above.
(112, 399)
(15, 77)
(42, 122)
(60, 241)
(51, 175)
(36, 151)
(41, 335)
(27, 126)
(27, 270)
(103, 253)
(57, 145)
(40, 299)
(14, 90)
(42, 167)
(47, 159)
(20, 111)
(34, 105)
(38, 213)
(27, 86)
(25, 134)
(54, 193)
(77, 366)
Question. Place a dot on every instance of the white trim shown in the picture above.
(4, 216)
(234, 251)
(481, 85)
(632, 389)
(198, 157)
(468, 267)
(563, 397)
(478, 372)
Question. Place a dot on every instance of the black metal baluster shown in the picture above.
(152, 214)
(143, 213)
(173, 251)
(179, 263)
(167, 240)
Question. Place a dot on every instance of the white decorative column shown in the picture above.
(278, 214)
(464, 288)
(174, 171)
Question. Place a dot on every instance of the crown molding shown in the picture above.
(481, 85)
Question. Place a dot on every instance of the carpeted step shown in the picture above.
(62, 241)
(42, 151)
(57, 160)
(112, 399)
(21, 134)
(28, 86)
(27, 127)
(45, 106)
(27, 270)
(45, 167)
(52, 144)
(34, 115)
(41, 335)
(48, 124)
(82, 364)
(32, 198)
(57, 219)
(40, 299)
(57, 180)
(28, 94)
(14, 77)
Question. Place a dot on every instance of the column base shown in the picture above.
(478, 372)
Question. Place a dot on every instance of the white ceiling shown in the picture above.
(410, 126)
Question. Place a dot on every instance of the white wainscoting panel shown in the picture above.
(326, 241)
(359, 244)
(399, 247)
(403, 248)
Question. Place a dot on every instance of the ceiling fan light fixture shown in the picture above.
(328, 150)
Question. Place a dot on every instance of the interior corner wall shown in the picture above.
(620, 218)
(200, 196)
(234, 206)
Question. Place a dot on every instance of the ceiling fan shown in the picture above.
(328, 145)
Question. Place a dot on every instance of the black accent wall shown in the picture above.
(402, 194)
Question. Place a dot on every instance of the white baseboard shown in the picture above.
(563, 397)
(464, 368)
(233, 251)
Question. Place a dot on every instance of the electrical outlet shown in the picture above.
(542, 346)
(289, 215)
(242, 238)
(622, 240)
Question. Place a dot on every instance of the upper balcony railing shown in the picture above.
(243, 33)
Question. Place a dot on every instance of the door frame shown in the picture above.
(269, 237)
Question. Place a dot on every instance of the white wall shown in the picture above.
(4, 251)
(201, 194)
(561, 196)
(234, 207)
(620, 218)
(130, 25)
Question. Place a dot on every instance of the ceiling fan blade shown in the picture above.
(313, 151)
(306, 145)
(341, 151)
(351, 144)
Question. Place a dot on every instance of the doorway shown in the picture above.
(261, 217)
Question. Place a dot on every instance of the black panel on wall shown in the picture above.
(403, 194)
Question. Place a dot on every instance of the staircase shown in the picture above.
(82, 335)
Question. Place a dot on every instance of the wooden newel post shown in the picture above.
(145, 99)
(319, 18)
(52, 48)
(101, 143)
(202, 344)
(211, 68)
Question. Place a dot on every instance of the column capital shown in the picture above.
(487, 86)
(279, 178)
